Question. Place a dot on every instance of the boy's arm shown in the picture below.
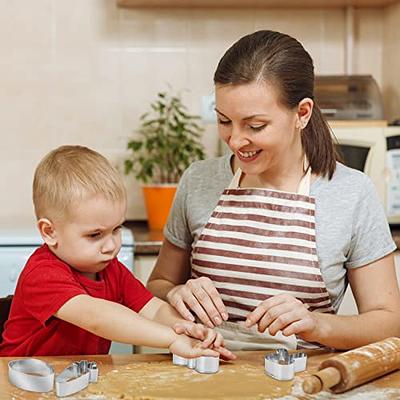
(115, 322)
(160, 311)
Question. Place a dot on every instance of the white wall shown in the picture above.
(74, 71)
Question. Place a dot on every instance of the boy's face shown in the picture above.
(90, 237)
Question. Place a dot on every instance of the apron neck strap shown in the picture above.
(305, 181)
(304, 184)
(235, 180)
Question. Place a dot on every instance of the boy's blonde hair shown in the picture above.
(68, 174)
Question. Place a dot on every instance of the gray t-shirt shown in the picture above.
(351, 227)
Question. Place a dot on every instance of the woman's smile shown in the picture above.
(248, 156)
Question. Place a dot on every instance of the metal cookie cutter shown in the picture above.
(76, 377)
(207, 365)
(282, 366)
(31, 374)
(203, 365)
(178, 360)
(300, 361)
(279, 365)
(37, 376)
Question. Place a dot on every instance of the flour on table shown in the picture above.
(365, 392)
(164, 381)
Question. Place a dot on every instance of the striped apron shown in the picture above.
(259, 243)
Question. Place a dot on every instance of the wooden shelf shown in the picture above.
(254, 3)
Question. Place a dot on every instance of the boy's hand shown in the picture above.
(209, 337)
(198, 331)
(187, 347)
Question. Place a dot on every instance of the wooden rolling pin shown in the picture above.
(355, 367)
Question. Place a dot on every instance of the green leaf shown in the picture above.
(170, 139)
(135, 145)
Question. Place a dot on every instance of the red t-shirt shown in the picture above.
(45, 284)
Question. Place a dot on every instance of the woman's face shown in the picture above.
(261, 132)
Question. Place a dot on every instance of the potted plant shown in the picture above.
(168, 141)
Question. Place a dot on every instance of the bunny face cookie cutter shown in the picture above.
(282, 366)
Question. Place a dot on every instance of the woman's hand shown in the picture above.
(209, 337)
(287, 314)
(200, 296)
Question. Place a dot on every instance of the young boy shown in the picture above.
(74, 296)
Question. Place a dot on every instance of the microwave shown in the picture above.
(375, 150)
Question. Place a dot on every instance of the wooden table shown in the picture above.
(387, 387)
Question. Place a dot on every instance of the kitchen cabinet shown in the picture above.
(255, 3)
(348, 305)
(144, 264)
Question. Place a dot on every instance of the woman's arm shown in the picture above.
(170, 280)
(172, 268)
(377, 296)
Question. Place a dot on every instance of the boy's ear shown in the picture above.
(46, 229)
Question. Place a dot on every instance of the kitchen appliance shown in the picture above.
(16, 246)
(375, 150)
(348, 97)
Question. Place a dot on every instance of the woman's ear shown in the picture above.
(304, 111)
(46, 229)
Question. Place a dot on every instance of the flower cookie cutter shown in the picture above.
(282, 366)
(38, 376)
(203, 365)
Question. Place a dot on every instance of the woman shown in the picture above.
(262, 243)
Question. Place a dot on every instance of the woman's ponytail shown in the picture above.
(318, 144)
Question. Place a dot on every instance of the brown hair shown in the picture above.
(68, 174)
(279, 59)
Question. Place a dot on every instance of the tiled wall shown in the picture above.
(82, 71)
(391, 62)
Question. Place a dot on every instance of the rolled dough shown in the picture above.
(163, 381)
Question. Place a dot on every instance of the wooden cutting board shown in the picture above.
(161, 380)
(155, 377)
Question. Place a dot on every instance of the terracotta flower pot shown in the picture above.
(158, 200)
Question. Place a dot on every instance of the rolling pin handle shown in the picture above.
(312, 385)
(324, 379)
